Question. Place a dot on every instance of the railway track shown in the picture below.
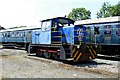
(107, 57)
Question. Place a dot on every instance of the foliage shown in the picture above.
(108, 10)
(79, 14)
(1, 28)
(116, 10)
(105, 11)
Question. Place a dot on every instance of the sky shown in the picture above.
(29, 12)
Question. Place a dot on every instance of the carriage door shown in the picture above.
(118, 33)
(107, 33)
(97, 34)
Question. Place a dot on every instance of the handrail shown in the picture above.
(54, 28)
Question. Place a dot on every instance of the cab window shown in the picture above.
(46, 25)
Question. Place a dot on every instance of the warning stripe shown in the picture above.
(93, 50)
(90, 58)
(75, 54)
(91, 53)
(74, 50)
(78, 57)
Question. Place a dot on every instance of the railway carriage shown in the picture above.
(18, 37)
(105, 33)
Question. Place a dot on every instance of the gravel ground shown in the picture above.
(17, 64)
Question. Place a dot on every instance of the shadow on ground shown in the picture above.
(90, 64)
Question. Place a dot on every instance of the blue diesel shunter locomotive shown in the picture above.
(57, 38)
(61, 39)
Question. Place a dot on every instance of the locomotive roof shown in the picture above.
(99, 20)
(19, 29)
(72, 21)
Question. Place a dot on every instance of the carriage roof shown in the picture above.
(20, 29)
(98, 21)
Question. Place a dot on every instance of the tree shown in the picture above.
(2, 28)
(79, 14)
(105, 11)
(116, 10)
(108, 10)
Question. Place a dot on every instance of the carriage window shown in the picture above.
(118, 30)
(5, 34)
(13, 34)
(29, 31)
(9, 34)
(2, 35)
(20, 34)
(17, 34)
(96, 30)
(107, 29)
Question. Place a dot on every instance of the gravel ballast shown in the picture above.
(16, 63)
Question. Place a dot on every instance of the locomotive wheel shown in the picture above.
(47, 55)
(56, 56)
(39, 53)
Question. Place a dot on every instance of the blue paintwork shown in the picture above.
(41, 37)
(0, 37)
(22, 36)
(70, 34)
(102, 38)
(81, 35)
